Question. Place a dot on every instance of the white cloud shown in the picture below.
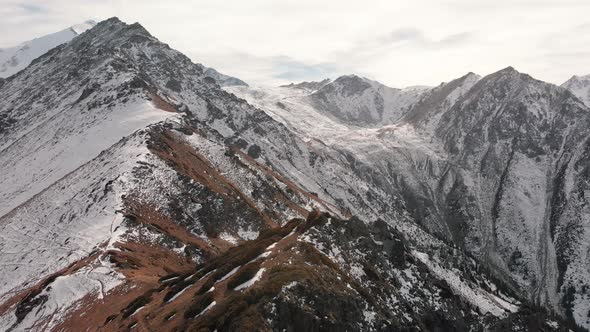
(397, 42)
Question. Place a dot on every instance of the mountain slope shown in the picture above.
(14, 59)
(360, 101)
(427, 111)
(521, 145)
(579, 86)
(309, 86)
(81, 115)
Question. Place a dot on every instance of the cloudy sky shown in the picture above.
(400, 43)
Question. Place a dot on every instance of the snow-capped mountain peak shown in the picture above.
(360, 101)
(580, 87)
(222, 79)
(308, 86)
(82, 27)
(14, 59)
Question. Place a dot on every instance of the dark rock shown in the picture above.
(174, 85)
(254, 151)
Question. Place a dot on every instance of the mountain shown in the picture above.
(427, 111)
(361, 101)
(310, 86)
(14, 59)
(495, 165)
(138, 193)
(101, 157)
(579, 86)
(522, 150)
(222, 79)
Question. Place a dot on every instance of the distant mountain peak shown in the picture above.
(576, 78)
(222, 79)
(585, 77)
(311, 85)
(350, 84)
(82, 27)
(511, 76)
(472, 75)
(15, 59)
(139, 29)
(360, 101)
(509, 69)
(350, 78)
(507, 72)
(124, 28)
(580, 87)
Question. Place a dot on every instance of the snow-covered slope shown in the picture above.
(579, 86)
(360, 101)
(427, 111)
(14, 59)
(309, 86)
(74, 120)
(194, 184)
(522, 150)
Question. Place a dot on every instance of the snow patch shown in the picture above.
(486, 302)
(230, 273)
(252, 281)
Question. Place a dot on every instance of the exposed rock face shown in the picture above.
(521, 147)
(139, 194)
(427, 111)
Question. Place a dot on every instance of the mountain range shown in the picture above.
(140, 190)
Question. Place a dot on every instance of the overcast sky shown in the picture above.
(400, 43)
